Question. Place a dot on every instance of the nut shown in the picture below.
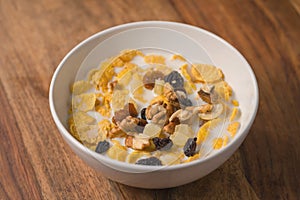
(170, 127)
(184, 114)
(116, 132)
(129, 123)
(205, 108)
(137, 143)
(157, 113)
(128, 110)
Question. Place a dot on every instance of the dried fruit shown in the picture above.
(162, 143)
(184, 114)
(184, 102)
(128, 110)
(153, 161)
(116, 132)
(102, 146)
(152, 130)
(215, 112)
(170, 127)
(150, 77)
(204, 96)
(175, 79)
(159, 86)
(181, 134)
(137, 143)
(143, 113)
(190, 147)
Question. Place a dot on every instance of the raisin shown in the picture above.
(185, 102)
(102, 146)
(175, 79)
(149, 161)
(150, 77)
(162, 143)
(190, 147)
(143, 113)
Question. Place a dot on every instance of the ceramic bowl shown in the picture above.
(237, 72)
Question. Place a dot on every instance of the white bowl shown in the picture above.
(236, 69)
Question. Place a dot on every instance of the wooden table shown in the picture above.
(35, 162)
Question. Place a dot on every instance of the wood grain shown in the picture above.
(35, 35)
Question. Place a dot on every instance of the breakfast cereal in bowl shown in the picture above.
(153, 107)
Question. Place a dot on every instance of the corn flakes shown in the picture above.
(178, 57)
(206, 73)
(233, 128)
(80, 87)
(84, 102)
(154, 59)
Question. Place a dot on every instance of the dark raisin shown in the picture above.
(149, 161)
(143, 113)
(162, 143)
(190, 147)
(102, 146)
(175, 79)
(185, 102)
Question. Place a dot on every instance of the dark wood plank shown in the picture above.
(34, 37)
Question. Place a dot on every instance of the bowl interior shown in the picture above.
(237, 71)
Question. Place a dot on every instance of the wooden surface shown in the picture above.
(35, 162)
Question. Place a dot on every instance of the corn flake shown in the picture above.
(80, 87)
(178, 57)
(135, 155)
(206, 73)
(234, 114)
(119, 99)
(84, 102)
(233, 128)
(192, 158)
(154, 59)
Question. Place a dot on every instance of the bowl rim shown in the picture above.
(105, 160)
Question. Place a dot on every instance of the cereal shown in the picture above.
(135, 155)
(171, 158)
(234, 115)
(235, 103)
(233, 128)
(208, 73)
(178, 57)
(154, 59)
(80, 87)
(84, 102)
(218, 143)
(192, 158)
(145, 109)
